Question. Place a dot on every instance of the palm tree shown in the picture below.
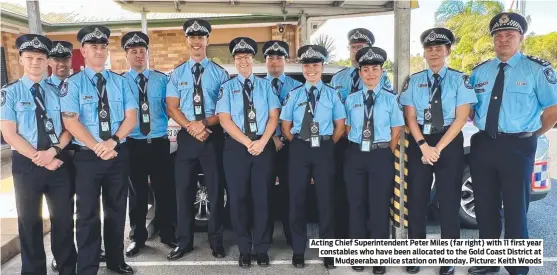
(328, 43)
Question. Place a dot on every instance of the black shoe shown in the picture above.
(121, 269)
(483, 269)
(329, 262)
(244, 260)
(379, 270)
(218, 252)
(447, 270)
(298, 260)
(54, 265)
(358, 268)
(178, 253)
(102, 257)
(134, 248)
(262, 259)
(412, 269)
(172, 244)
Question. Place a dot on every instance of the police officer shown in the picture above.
(436, 102)
(374, 122)
(512, 90)
(275, 53)
(149, 146)
(313, 121)
(99, 110)
(31, 124)
(191, 97)
(248, 110)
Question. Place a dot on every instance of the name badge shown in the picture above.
(365, 146)
(197, 110)
(315, 139)
(252, 121)
(145, 118)
(427, 129)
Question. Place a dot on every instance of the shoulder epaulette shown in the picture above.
(538, 60)
(454, 70)
(159, 72)
(341, 71)
(73, 74)
(217, 65)
(390, 91)
(329, 86)
(228, 80)
(115, 73)
(49, 82)
(418, 72)
(297, 87)
(179, 65)
(10, 84)
(479, 64)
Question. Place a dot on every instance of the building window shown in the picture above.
(220, 54)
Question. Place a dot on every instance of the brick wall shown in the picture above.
(167, 47)
(15, 71)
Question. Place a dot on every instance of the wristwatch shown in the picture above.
(58, 150)
(421, 142)
(205, 122)
(115, 138)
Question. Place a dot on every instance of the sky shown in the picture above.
(382, 26)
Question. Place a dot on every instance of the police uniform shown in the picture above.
(369, 162)
(281, 86)
(197, 86)
(435, 96)
(35, 109)
(313, 110)
(511, 96)
(345, 82)
(149, 152)
(100, 100)
(249, 102)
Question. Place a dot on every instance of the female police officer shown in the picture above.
(436, 104)
(248, 111)
(313, 120)
(373, 125)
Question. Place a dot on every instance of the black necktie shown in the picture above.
(247, 93)
(305, 132)
(198, 90)
(275, 83)
(104, 110)
(61, 84)
(144, 124)
(492, 119)
(436, 105)
(369, 112)
(355, 80)
(43, 142)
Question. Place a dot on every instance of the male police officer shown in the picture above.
(31, 124)
(149, 146)
(512, 90)
(99, 110)
(437, 102)
(275, 53)
(374, 122)
(313, 121)
(248, 110)
(191, 97)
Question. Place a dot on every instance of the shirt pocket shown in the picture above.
(54, 114)
(421, 99)
(116, 104)
(25, 113)
(156, 99)
(88, 109)
(520, 99)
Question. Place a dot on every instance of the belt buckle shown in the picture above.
(149, 141)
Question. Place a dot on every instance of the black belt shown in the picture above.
(148, 140)
(228, 136)
(514, 135)
(325, 137)
(441, 131)
(378, 145)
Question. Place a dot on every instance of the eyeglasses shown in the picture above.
(242, 58)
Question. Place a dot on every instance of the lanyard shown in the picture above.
(198, 80)
(38, 98)
(101, 94)
(433, 90)
(311, 109)
(369, 113)
(143, 89)
(250, 96)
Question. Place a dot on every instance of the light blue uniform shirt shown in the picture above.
(156, 93)
(286, 84)
(455, 91)
(386, 114)
(342, 81)
(18, 105)
(54, 80)
(181, 85)
(530, 87)
(81, 97)
(231, 100)
(329, 108)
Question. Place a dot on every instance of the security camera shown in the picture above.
(281, 28)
